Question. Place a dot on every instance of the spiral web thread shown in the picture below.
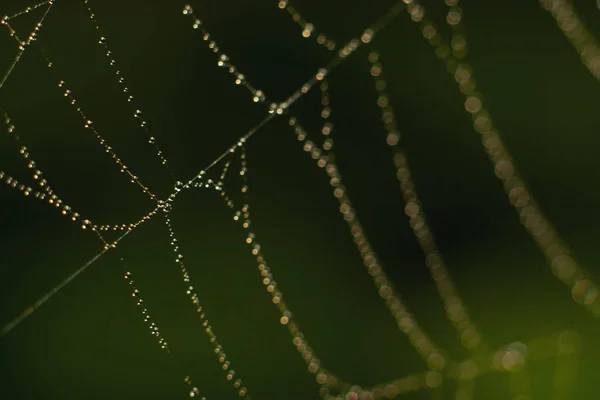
(513, 358)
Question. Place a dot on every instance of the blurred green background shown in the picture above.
(90, 340)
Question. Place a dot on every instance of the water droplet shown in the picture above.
(367, 36)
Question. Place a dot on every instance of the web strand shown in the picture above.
(138, 114)
(153, 326)
(37, 304)
(576, 32)
(22, 44)
(455, 309)
(540, 228)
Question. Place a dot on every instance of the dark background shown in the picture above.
(90, 341)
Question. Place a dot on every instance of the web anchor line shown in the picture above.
(37, 304)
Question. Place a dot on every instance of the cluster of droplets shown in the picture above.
(230, 373)
(42, 190)
(405, 321)
(258, 95)
(218, 185)
(309, 146)
(47, 192)
(563, 266)
(127, 227)
(88, 124)
(153, 327)
(28, 9)
(125, 89)
(308, 28)
(33, 35)
(194, 392)
(344, 52)
(454, 18)
(327, 127)
(413, 209)
(223, 61)
(22, 44)
(280, 108)
(328, 381)
(331, 385)
(242, 215)
(577, 33)
(135, 294)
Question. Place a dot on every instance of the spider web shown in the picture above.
(320, 147)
